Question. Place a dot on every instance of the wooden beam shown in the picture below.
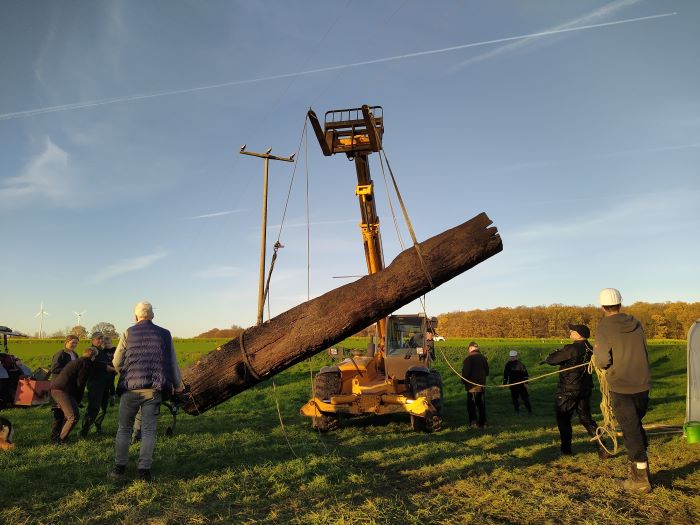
(315, 325)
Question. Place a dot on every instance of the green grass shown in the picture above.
(233, 465)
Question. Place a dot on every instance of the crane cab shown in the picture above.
(408, 345)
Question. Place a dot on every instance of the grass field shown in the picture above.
(233, 464)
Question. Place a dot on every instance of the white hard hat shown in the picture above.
(513, 353)
(609, 297)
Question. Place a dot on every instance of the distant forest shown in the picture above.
(660, 320)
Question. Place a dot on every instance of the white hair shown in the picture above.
(143, 310)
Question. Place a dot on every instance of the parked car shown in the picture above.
(438, 338)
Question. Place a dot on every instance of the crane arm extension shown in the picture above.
(324, 321)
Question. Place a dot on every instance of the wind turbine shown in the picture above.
(79, 315)
(41, 313)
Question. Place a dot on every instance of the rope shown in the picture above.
(510, 384)
(279, 415)
(246, 358)
(608, 426)
(278, 244)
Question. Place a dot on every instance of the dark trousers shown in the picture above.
(566, 403)
(476, 403)
(520, 391)
(629, 409)
(58, 419)
(68, 407)
(98, 401)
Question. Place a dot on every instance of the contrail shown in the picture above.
(141, 96)
(216, 214)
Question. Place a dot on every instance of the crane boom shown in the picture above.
(358, 132)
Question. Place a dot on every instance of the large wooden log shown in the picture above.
(322, 322)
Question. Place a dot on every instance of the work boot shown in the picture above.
(117, 472)
(144, 474)
(638, 479)
(87, 423)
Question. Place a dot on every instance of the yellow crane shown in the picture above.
(394, 374)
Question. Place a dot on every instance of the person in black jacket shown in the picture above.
(515, 372)
(67, 390)
(97, 387)
(59, 361)
(475, 370)
(575, 387)
(109, 349)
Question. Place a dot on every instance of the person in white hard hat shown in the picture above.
(621, 349)
(515, 372)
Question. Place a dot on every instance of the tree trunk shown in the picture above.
(322, 322)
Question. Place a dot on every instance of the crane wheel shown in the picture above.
(327, 383)
(429, 386)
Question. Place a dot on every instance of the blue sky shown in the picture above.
(574, 125)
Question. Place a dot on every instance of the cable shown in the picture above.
(279, 415)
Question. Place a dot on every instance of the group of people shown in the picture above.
(146, 366)
(147, 370)
(94, 371)
(620, 349)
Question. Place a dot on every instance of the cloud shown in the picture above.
(127, 266)
(529, 40)
(216, 214)
(644, 214)
(171, 92)
(216, 271)
(47, 176)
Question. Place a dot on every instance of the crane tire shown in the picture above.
(430, 386)
(326, 384)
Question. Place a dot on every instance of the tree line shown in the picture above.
(660, 320)
(82, 332)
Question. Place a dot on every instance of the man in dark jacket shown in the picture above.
(147, 365)
(97, 387)
(575, 387)
(621, 350)
(514, 373)
(475, 370)
(67, 390)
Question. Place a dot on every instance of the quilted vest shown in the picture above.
(147, 358)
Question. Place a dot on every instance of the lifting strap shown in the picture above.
(408, 221)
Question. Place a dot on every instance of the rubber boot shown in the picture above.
(638, 479)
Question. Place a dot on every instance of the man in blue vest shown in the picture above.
(148, 371)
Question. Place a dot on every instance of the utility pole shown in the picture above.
(263, 240)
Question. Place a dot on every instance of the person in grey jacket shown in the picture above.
(621, 350)
(147, 365)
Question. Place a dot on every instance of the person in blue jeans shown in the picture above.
(147, 366)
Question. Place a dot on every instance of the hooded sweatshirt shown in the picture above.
(621, 349)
